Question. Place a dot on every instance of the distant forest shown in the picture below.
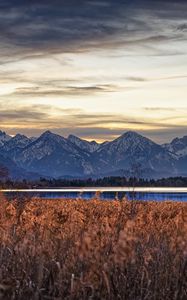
(104, 182)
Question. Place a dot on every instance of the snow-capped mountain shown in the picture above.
(52, 155)
(132, 148)
(4, 138)
(83, 144)
(178, 146)
(55, 155)
(16, 143)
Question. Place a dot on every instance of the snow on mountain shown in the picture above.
(14, 145)
(14, 171)
(53, 155)
(4, 138)
(178, 146)
(131, 148)
(83, 144)
(18, 141)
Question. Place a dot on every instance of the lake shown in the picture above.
(106, 193)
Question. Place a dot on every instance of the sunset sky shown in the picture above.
(94, 68)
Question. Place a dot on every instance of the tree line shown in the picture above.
(90, 182)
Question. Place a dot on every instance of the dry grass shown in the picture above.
(59, 249)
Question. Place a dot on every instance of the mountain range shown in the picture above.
(54, 156)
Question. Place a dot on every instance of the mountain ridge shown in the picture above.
(55, 156)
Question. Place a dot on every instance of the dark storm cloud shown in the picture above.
(37, 28)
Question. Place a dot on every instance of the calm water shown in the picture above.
(147, 194)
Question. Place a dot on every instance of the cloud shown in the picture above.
(159, 109)
(102, 134)
(144, 79)
(166, 135)
(39, 28)
(30, 120)
(22, 115)
(31, 32)
(66, 91)
(53, 115)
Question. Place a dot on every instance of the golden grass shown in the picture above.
(76, 249)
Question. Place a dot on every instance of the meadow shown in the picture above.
(77, 249)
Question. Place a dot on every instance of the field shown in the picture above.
(75, 249)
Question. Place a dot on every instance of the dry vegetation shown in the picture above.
(59, 249)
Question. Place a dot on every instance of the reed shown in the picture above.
(76, 249)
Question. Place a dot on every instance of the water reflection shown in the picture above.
(110, 195)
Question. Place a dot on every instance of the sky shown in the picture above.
(94, 68)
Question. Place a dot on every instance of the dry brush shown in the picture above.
(77, 249)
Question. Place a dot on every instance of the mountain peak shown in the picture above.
(83, 144)
(4, 137)
(130, 134)
(178, 146)
(73, 137)
(52, 154)
(47, 133)
(2, 132)
(19, 141)
(179, 140)
(20, 136)
(52, 137)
